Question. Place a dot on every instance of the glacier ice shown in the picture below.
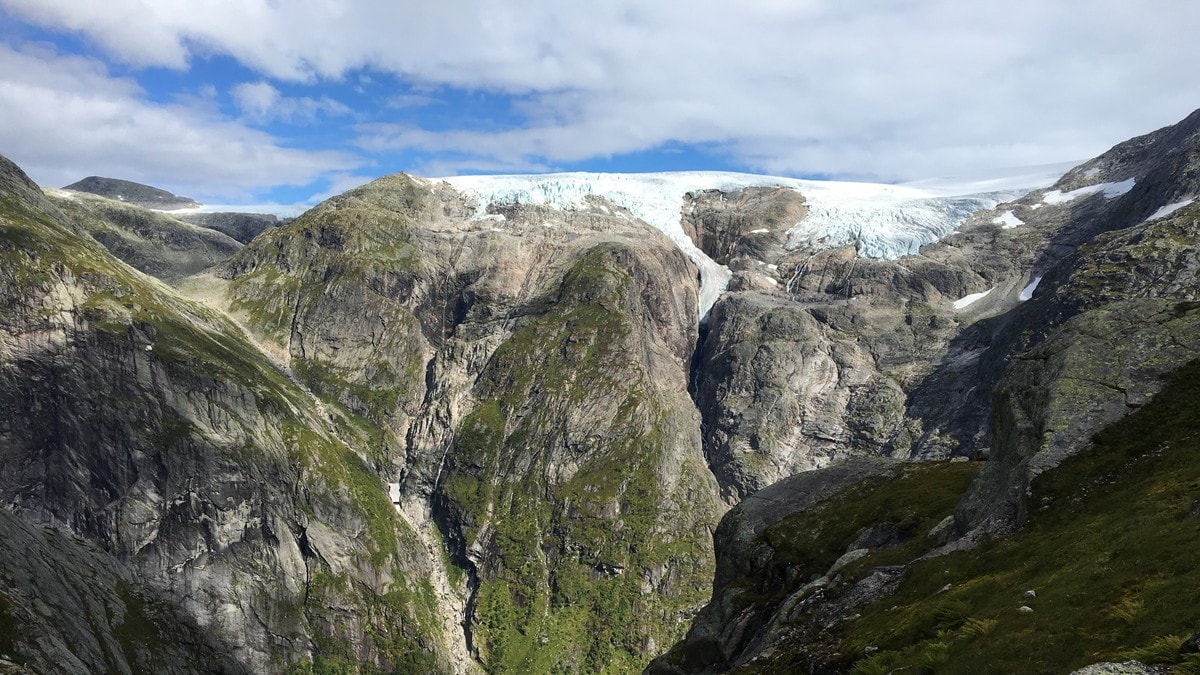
(879, 220)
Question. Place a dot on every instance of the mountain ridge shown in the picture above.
(128, 191)
(441, 428)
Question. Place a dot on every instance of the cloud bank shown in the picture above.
(883, 89)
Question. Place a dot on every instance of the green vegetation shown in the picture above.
(398, 621)
(1110, 559)
(55, 275)
(908, 502)
(351, 257)
(564, 586)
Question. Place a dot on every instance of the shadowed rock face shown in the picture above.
(239, 226)
(66, 606)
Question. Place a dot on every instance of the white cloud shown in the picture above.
(65, 117)
(262, 102)
(873, 87)
(338, 183)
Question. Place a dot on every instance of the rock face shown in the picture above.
(149, 426)
(1075, 304)
(789, 558)
(68, 607)
(530, 381)
(132, 193)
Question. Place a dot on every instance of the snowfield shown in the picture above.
(1164, 211)
(879, 220)
(1110, 190)
(1027, 292)
(1008, 220)
(968, 300)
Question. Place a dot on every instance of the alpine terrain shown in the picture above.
(682, 422)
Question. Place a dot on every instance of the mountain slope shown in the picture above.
(528, 378)
(1104, 570)
(1084, 309)
(491, 423)
(148, 425)
(151, 242)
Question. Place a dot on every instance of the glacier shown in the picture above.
(880, 220)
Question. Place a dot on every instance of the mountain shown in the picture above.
(590, 422)
(132, 193)
(1075, 383)
(174, 456)
(156, 243)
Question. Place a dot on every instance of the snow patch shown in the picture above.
(759, 231)
(1110, 190)
(968, 300)
(1167, 210)
(1008, 220)
(1027, 292)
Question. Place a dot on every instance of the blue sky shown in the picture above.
(263, 101)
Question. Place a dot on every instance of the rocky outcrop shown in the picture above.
(801, 556)
(528, 369)
(1132, 319)
(1074, 306)
(66, 606)
(1126, 668)
(746, 225)
(784, 392)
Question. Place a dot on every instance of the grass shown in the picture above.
(1111, 561)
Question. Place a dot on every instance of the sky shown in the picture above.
(253, 101)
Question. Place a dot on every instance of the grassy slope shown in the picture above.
(1111, 560)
